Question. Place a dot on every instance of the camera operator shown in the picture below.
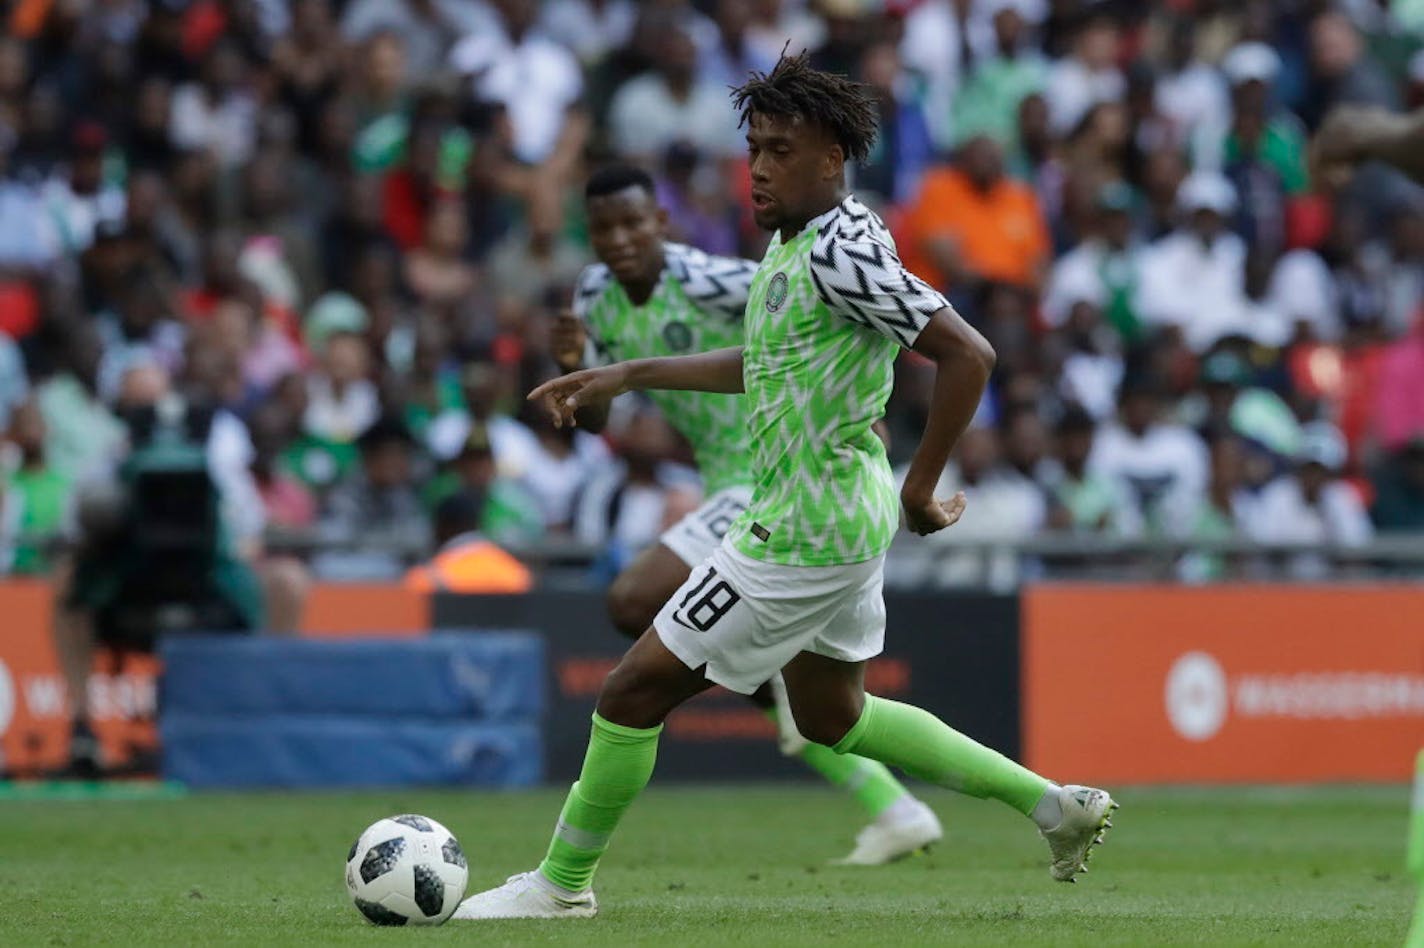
(164, 538)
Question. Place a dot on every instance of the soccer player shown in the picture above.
(650, 297)
(796, 584)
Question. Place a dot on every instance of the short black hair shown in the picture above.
(841, 106)
(614, 178)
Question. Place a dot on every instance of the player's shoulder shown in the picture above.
(851, 225)
(592, 283)
(710, 281)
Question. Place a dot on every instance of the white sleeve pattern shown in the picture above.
(717, 285)
(860, 278)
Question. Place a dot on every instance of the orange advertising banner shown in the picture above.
(1132, 684)
(34, 705)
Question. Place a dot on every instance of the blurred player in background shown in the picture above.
(796, 585)
(651, 297)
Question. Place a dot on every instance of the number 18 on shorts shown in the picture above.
(744, 619)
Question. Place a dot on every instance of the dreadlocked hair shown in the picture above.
(792, 88)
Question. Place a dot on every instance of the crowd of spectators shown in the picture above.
(348, 224)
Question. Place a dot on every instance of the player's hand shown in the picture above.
(1345, 139)
(924, 516)
(566, 341)
(563, 396)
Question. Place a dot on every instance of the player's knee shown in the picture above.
(630, 608)
(825, 722)
(630, 696)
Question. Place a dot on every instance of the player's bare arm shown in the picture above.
(717, 371)
(963, 360)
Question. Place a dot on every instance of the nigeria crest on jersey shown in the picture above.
(776, 292)
(677, 336)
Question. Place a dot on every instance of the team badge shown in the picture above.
(776, 293)
(677, 336)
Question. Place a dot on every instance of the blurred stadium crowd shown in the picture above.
(346, 224)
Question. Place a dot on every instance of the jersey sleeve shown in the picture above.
(718, 285)
(862, 280)
(592, 283)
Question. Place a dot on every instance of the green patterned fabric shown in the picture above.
(697, 306)
(825, 314)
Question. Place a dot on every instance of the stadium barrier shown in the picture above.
(261, 712)
(955, 653)
(1272, 683)
(1224, 684)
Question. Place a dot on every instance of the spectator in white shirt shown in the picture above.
(1086, 77)
(1003, 505)
(1311, 505)
(537, 81)
(427, 28)
(1162, 466)
(1190, 93)
(1107, 265)
(591, 28)
(216, 115)
(671, 104)
(341, 401)
(629, 503)
(1194, 278)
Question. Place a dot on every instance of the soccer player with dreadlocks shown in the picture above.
(796, 585)
(649, 297)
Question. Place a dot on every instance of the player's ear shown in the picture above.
(835, 162)
(662, 220)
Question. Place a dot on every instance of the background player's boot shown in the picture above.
(527, 895)
(1085, 822)
(908, 826)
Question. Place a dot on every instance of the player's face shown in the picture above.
(626, 230)
(796, 171)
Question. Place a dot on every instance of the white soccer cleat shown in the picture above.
(1086, 820)
(527, 895)
(907, 827)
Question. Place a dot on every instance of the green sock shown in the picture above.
(616, 767)
(923, 746)
(870, 782)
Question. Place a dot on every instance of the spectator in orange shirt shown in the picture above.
(971, 224)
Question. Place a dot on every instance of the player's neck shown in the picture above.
(831, 202)
(641, 290)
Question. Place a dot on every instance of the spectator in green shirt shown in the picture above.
(511, 513)
(1266, 135)
(988, 103)
(41, 492)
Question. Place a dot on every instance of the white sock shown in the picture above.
(1048, 811)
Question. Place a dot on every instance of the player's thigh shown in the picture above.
(825, 684)
(645, 584)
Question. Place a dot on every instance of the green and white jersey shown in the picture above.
(826, 312)
(697, 306)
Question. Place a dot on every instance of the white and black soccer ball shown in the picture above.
(406, 870)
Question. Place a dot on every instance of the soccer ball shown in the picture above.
(406, 870)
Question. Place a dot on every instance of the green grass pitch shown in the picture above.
(722, 865)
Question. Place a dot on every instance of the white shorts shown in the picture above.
(745, 619)
(694, 537)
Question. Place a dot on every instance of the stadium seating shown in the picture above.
(450, 709)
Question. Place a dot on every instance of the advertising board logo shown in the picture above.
(1196, 696)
